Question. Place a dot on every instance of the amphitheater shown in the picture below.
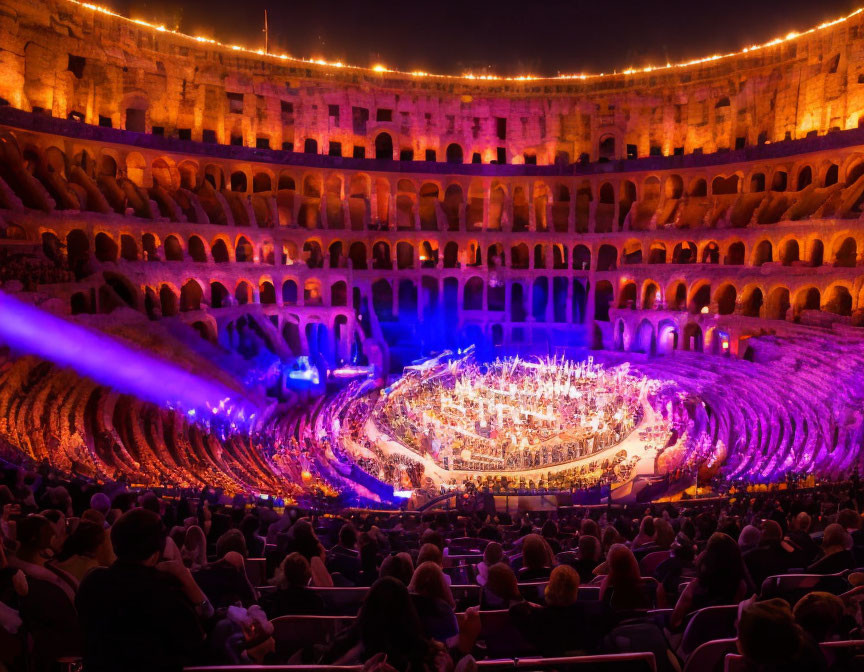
(277, 226)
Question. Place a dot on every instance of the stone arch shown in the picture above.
(735, 255)
(262, 182)
(452, 205)
(657, 253)
(700, 297)
(777, 304)
(757, 183)
(725, 298)
(790, 252)
(243, 293)
(454, 153)
(845, 252)
(219, 295)
(357, 255)
(164, 173)
(136, 167)
(763, 253)
(804, 178)
(838, 300)
(188, 171)
(339, 293)
(451, 255)
(673, 187)
(698, 188)
(645, 340)
(239, 181)
(724, 185)
(473, 294)
(807, 298)
(384, 147)
(604, 295)
(173, 248)
(710, 252)
(214, 174)
(128, 248)
(149, 245)
(650, 292)
(627, 296)
(404, 255)
(219, 250)
(607, 258)
(289, 292)
(606, 150)
(266, 292)
(676, 295)
(581, 257)
(752, 300)
(693, 340)
(685, 252)
(191, 295)
(381, 256)
(520, 256)
(168, 301)
(667, 336)
(631, 253)
(104, 248)
(243, 250)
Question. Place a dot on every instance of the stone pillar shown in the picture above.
(486, 197)
(391, 208)
(571, 213)
(532, 211)
(508, 301)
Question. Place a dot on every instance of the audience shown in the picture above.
(565, 626)
(141, 613)
(769, 557)
(770, 639)
(434, 602)
(292, 594)
(720, 579)
(836, 552)
(623, 588)
(96, 575)
(537, 559)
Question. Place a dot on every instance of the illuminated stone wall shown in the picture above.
(66, 59)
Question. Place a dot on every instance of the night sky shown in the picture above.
(497, 37)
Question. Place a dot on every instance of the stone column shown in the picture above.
(391, 208)
(486, 197)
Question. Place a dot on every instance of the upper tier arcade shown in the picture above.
(75, 61)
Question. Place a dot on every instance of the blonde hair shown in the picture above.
(563, 587)
(428, 581)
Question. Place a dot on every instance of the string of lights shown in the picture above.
(380, 68)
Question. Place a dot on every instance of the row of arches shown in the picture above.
(843, 252)
(780, 302)
(360, 201)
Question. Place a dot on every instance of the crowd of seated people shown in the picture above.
(137, 580)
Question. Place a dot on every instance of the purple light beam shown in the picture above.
(107, 361)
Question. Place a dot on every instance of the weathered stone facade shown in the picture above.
(697, 214)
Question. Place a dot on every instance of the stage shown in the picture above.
(562, 424)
